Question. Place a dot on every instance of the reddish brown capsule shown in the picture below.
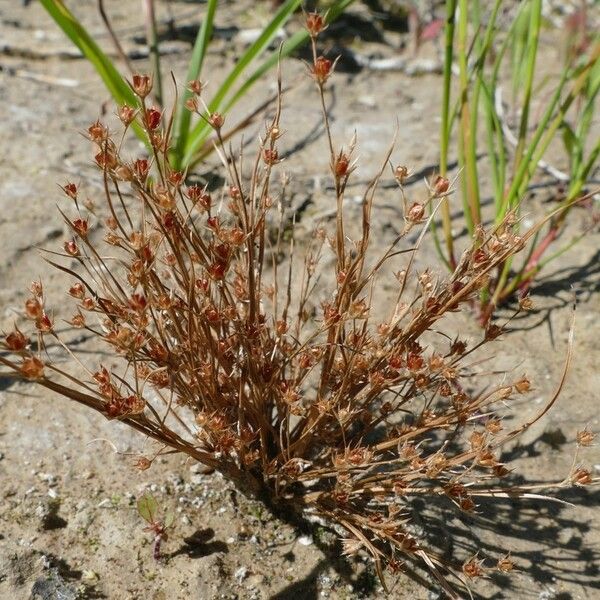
(70, 190)
(271, 157)
(77, 320)
(195, 86)
(585, 437)
(216, 120)
(77, 291)
(415, 213)
(141, 168)
(44, 323)
(71, 248)
(33, 308)
(581, 477)
(342, 165)
(473, 568)
(32, 368)
(315, 24)
(141, 84)
(81, 227)
(321, 69)
(16, 341)
(153, 116)
(97, 132)
(441, 185)
(127, 114)
(106, 159)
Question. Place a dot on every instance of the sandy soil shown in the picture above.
(68, 524)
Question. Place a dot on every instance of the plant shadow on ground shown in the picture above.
(557, 290)
(199, 545)
(501, 525)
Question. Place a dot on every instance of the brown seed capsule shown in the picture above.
(44, 323)
(581, 477)
(71, 248)
(142, 463)
(141, 168)
(315, 24)
(141, 84)
(152, 118)
(32, 368)
(77, 320)
(321, 69)
(16, 341)
(81, 227)
(415, 213)
(106, 159)
(271, 157)
(127, 114)
(526, 303)
(216, 120)
(97, 132)
(70, 189)
(341, 166)
(33, 308)
(401, 174)
(441, 185)
(523, 385)
(77, 291)
(505, 564)
(585, 437)
(195, 86)
(473, 568)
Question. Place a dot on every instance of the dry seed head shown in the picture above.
(33, 308)
(505, 564)
(441, 185)
(142, 463)
(127, 114)
(44, 323)
(581, 477)
(315, 24)
(473, 568)
(526, 303)
(270, 156)
(97, 132)
(342, 165)
(585, 437)
(401, 174)
(195, 86)
(16, 341)
(77, 320)
(70, 189)
(152, 118)
(192, 104)
(216, 120)
(32, 368)
(523, 385)
(322, 69)
(141, 84)
(415, 213)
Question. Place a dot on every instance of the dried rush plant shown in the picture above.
(331, 412)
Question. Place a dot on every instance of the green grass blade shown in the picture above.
(262, 43)
(114, 82)
(299, 38)
(202, 130)
(112, 79)
(183, 116)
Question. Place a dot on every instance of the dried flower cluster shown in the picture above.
(344, 414)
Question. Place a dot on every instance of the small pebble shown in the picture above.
(305, 540)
